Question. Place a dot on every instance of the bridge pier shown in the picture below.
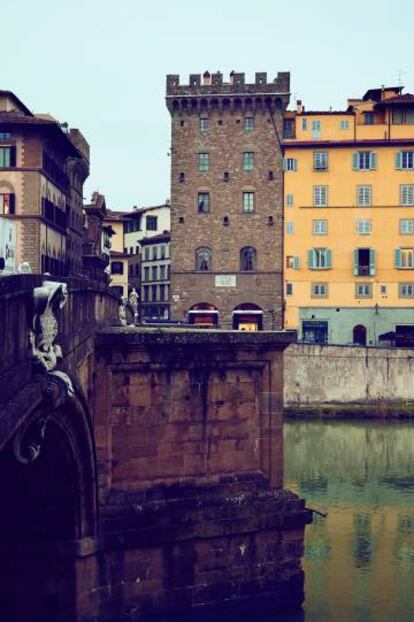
(189, 445)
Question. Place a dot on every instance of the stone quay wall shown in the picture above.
(348, 379)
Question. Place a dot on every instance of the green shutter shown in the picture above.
(284, 164)
(398, 258)
(295, 164)
(355, 160)
(356, 257)
(372, 262)
(372, 160)
(296, 263)
(398, 160)
(311, 258)
(328, 258)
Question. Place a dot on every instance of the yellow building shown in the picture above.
(349, 220)
(119, 256)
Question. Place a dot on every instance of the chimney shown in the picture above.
(299, 106)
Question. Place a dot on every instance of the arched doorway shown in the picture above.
(203, 315)
(248, 316)
(359, 335)
(48, 505)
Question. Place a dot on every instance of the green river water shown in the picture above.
(359, 560)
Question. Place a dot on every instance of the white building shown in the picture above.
(144, 222)
(155, 277)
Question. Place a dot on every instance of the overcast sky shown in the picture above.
(100, 65)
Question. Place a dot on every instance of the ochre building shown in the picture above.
(226, 198)
(349, 220)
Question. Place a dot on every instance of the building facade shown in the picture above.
(349, 220)
(43, 165)
(145, 222)
(226, 197)
(155, 277)
(97, 238)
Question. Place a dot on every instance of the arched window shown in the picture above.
(248, 259)
(203, 258)
(359, 335)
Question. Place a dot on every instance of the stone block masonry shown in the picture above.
(189, 441)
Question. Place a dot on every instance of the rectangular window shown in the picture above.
(117, 267)
(289, 200)
(364, 196)
(146, 253)
(407, 226)
(5, 135)
(319, 227)
(315, 332)
(151, 223)
(7, 205)
(404, 160)
(290, 164)
(7, 157)
(154, 273)
(203, 124)
(319, 258)
(146, 273)
(364, 262)
(290, 228)
(292, 262)
(248, 158)
(316, 129)
(319, 290)
(146, 293)
(363, 290)
(364, 160)
(320, 160)
(320, 196)
(162, 273)
(369, 118)
(288, 128)
(203, 162)
(154, 253)
(364, 226)
(162, 292)
(407, 194)
(289, 289)
(153, 293)
(304, 124)
(162, 251)
(248, 124)
(248, 202)
(406, 290)
(203, 202)
(404, 258)
(344, 125)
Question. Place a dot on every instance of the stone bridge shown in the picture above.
(141, 470)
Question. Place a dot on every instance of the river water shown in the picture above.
(359, 560)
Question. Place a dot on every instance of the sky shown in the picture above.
(100, 65)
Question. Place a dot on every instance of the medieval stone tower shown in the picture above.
(226, 197)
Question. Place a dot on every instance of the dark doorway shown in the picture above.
(359, 335)
(248, 316)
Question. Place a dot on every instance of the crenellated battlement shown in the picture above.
(209, 89)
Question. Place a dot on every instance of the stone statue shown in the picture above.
(133, 301)
(122, 311)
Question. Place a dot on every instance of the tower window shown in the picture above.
(203, 124)
(248, 202)
(203, 162)
(248, 259)
(248, 124)
(203, 202)
(203, 259)
(182, 178)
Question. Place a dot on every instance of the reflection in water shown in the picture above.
(359, 561)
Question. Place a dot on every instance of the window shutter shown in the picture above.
(311, 258)
(372, 262)
(398, 160)
(285, 164)
(12, 156)
(355, 160)
(296, 263)
(398, 258)
(372, 160)
(356, 253)
(328, 258)
(12, 204)
(295, 164)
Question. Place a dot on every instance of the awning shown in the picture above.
(200, 311)
(248, 312)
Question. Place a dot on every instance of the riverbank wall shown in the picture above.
(348, 381)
